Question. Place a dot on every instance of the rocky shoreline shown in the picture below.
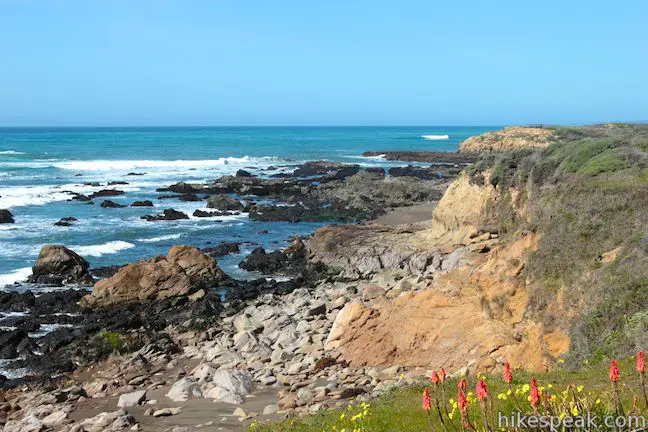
(178, 324)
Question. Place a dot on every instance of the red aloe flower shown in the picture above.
(443, 374)
(614, 371)
(534, 396)
(508, 376)
(641, 362)
(427, 400)
(461, 399)
(462, 385)
(434, 377)
(482, 390)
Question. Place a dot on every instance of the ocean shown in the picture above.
(37, 166)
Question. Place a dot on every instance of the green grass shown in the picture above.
(401, 409)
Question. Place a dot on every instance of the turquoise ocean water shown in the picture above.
(38, 165)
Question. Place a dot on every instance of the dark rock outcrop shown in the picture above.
(106, 193)
(243, 173)
(310, 169)
(425, 173)
(146, 203)
(290, 261)
(167, 215)
(224, 202)
(189, 197)
(80, 197)
(10, 342)
(66, 221)
(58, 265)
(205, 214)
(111, 204)
(6, 217)
(183, 188)
(222, 249)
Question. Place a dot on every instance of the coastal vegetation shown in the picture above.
(612, 391)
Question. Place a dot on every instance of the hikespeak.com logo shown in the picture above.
(587, 421)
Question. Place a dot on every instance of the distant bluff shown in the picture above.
(510, 138)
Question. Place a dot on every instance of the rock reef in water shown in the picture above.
(6, 217)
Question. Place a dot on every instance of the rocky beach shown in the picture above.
(161, 338)
(415, 268)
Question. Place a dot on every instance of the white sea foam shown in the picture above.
(435, 137)
(102, 249)
(45, 329)
(10, 152)
(160, 238)
(106, 165)
(18, 275)
(20, 196)
(376, 157)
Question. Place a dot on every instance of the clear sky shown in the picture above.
(332, 62)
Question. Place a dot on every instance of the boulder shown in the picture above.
(372, 291)
(111, 204)
(184, 389)
(181, 272)
(183, 188)
(10, 342)
(106, 421)
(167, 214)
(243, 173)
(145, 203)
(263, 262)
(6, 217)
(66, 221)
(202, 213)
(58, 265)
(128, 400)
(224, 202)
(228, 385)
(106, 193)
(349, 313)
(225, 248)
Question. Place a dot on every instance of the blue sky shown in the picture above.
(334, 62)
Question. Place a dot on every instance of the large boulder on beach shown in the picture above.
(58, 265)
(6, 217)
(183, 271)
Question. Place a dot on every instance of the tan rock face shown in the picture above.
(183, 271)
(473, 316)
(509, 139)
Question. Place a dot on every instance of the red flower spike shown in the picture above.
(534, 396)
(462, 385)
(508, 375)
(427, 400)
(442, 374)
(641, 362)
(434, 378)
(482, 390)
(461, 399)
(614, 371)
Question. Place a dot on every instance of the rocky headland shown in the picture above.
(172, 343)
